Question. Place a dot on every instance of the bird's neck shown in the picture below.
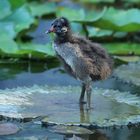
(63, 38)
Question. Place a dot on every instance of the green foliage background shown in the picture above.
(116, 24)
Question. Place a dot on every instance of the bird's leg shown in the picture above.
(81, 100)
(88, 91)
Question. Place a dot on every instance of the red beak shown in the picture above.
(50, 30)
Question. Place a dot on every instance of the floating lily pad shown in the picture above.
(39, 9)
(122, 48)
(5, 9)
(7, 29)
(61, 106)
(17, 18)
(62, 129)
(8, 129)
(27, 48)
(108, 19)
(129, 73)
(128, 58)
(7, 45)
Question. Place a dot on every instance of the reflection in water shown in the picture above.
(84, 114)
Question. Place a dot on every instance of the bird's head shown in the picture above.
(60, 26)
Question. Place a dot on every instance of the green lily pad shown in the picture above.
(97, 1)
(122, 48)
(7, 29)
(80, 15)
(128, 58)
(5, 9)
(16, 4)
(61, 106)
(29, 48)
(21, 18)
(39, 9)
(129, 73)
(8, 129)
(7, 45)
(62, 129)
(97, 32)
(118, 22)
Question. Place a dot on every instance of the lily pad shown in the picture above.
(29, 48)
(7, 29)
(8, 129)
(7, 45)
(122, 48)
(39, 9)
(128, 58)
(80, 15)
(62, 129)
(112, 21)
(5, 9)
(17, 18)
(61, 106)
(129, 73)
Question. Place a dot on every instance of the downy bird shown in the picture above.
(84, 60)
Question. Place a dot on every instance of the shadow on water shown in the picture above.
(28, 73)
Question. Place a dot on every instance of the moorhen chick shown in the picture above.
(82, 59)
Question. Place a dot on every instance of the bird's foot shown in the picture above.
(89, 108)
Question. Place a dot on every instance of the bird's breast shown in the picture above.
(67, 52)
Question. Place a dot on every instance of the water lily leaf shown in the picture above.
(118, 22)
(7, 45)
(26, 48)
(16, 4)
(114, 108)
(62, 129)
(5, 9)
(8, 129)
(128, 58)
(39, 9)
(80, 15)
(17, 18)
(122, 48)
(97, 1)
(7, 29)
(97, 32)
(129, 73)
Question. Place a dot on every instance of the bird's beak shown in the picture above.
(50, 30)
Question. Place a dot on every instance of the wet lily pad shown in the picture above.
(62, 129)
(61, 106)
(129, 73)
(8, 129)
(128, 58)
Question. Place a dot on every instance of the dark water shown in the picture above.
(23, 73)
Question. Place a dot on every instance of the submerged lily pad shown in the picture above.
(61, 106)
(129, 73)
(8, 129)
(62, 129)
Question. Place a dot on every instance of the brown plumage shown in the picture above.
(82, 59)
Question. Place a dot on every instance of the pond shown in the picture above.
(15, 74)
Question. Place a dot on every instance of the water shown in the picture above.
(27, 73)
